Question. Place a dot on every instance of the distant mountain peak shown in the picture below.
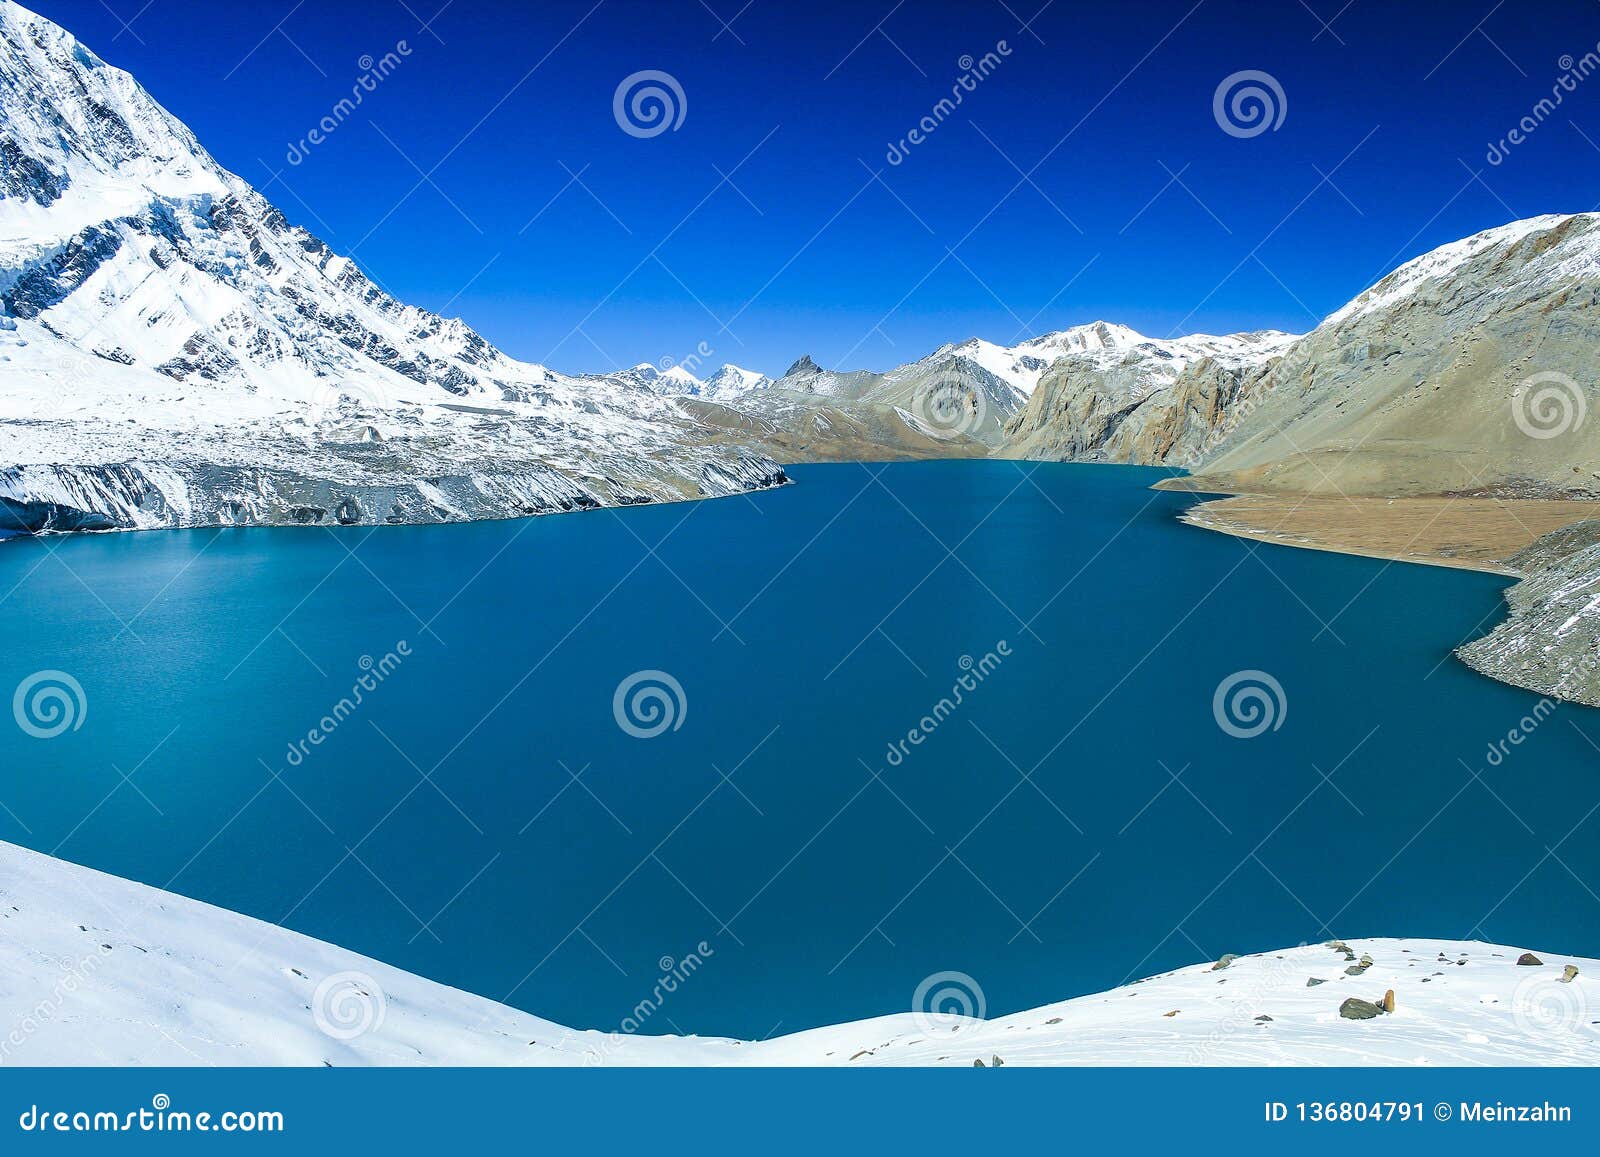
(804, 368)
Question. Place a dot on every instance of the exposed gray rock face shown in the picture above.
(1151, 403)
(1550, 643)
(174, 353)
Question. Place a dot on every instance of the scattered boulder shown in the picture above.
(1226, 959)
(1263, 1018)
(1354, 1008)
(1313, 981)
(1528, 959)
(1388, 1001)
(1174, 1012)
(996, 1061)
(1057, 1019)
(1356, 969)
(977, 1063)
(1569, 974)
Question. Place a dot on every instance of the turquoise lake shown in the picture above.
(1078, 819)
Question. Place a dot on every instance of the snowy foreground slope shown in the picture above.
(98, 970)
(173, 352)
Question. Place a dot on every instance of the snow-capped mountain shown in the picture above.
(732, 382)
(174, 352)
(1107, 344)
(724, 385)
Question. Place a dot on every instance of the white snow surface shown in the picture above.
(103, 971)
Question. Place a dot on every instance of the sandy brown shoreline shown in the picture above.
(1470, 533)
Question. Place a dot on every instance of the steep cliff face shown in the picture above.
(1140, 407)
(173, 352)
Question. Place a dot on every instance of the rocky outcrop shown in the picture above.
(1144, 402)
(1550, 642)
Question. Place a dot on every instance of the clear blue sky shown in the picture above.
(648, 254)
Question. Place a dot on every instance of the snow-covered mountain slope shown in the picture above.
(101, 971)
(731, 382)
(174, 352)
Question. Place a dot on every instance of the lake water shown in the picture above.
(482, 818)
